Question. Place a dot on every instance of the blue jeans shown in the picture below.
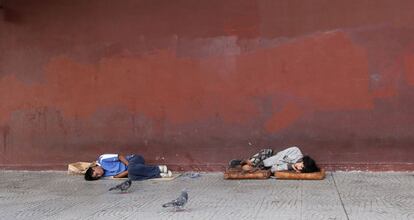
(137, 170)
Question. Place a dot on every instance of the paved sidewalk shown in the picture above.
(342, 195)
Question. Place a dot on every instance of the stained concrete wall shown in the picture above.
(193, 84)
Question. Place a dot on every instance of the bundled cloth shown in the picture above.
(79, 168)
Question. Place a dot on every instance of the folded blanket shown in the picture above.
(300, 176)
(239, 174)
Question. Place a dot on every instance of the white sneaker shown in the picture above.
(165, 175)
(163, 168)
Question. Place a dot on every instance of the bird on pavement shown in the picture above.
(179, 202)
(123, 186)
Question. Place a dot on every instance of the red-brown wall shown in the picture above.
(193, 84)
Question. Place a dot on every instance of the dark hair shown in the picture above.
(309, 165)
(89, 173)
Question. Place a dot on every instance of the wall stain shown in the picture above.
(5, 130)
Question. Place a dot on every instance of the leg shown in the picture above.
(142, 172)
(136, 159)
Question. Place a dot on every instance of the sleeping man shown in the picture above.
(287, 159)
(131, 166)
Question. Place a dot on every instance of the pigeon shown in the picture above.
(123, 186)
(179, 202)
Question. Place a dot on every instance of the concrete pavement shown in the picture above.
(342, 195)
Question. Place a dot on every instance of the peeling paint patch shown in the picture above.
(208, 47)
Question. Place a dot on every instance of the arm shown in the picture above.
(290, 158)
(123, 174)
(276, 162)
(292, 155)
(281, 160)
(123, 159)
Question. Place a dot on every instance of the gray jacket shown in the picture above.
(281, 160)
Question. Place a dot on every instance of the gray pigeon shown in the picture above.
(179, 202)
(123, 186)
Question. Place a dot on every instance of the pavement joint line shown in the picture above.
(260, 207)
(339, 194)
(301, 202)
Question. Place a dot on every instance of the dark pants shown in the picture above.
(137, 170)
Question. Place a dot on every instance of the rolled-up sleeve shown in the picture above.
(108, 158)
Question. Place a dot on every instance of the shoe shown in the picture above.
(163, 168)
(167, 174)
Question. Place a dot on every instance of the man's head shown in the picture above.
(309, 165)
(94, 173)
(306, 165)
